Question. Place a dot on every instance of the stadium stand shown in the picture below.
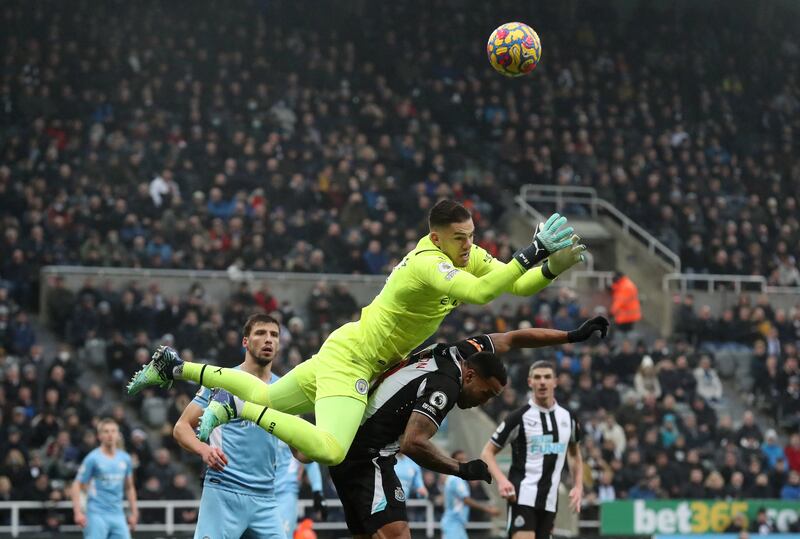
(144, 135)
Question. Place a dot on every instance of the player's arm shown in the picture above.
(575, 463)
(484, 507)
(75, 493)
(539, 337)
(130, 493)
(79, 484)
(416, 444)
(314, 475)
(417, 483)
(504, 486)
(438, 273)
(184, 434)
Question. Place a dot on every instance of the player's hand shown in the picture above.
(133, 519)
(422, 492)
(575, 498)
(548, 238)
(550, 234)
(80, 519)
(598, 323)
(213, 457)
(320, 505)
(560, 261)
(474, 469)
(491, 510)
(507, 490)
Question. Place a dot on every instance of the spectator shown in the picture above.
(625, 307)
(791, 491)
(792, 452)
(646, 381)
(709, 386)
(762, 525)
(771, 449)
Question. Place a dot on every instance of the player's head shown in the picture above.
(542, 381)
(261, 338)
(483, 377)
(452, 230)
(108, 433)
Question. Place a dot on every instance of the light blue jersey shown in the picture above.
(252, 454)
(456, 512)
(240, 500)
(410, 475)
(106, 479)
(287, 485)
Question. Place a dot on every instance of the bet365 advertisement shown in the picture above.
(645, 517)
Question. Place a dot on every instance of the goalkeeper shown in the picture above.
(445, 269)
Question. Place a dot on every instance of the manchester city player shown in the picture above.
(239, 488)
(287, 487)
(105, 472)
(444, 270)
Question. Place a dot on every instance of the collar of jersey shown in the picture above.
(534, 405)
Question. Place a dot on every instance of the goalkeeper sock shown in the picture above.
(315, 443)
(242, 384)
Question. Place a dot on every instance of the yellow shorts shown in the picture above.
(329, 374)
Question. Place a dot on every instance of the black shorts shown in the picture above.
(527, 518)
(370, 492)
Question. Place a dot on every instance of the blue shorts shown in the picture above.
(225, 514)
(453, 530)
(103, 525)
(287, 512)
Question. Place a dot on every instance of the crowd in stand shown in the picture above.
(281, 137)
(650, 411)
(285, 137)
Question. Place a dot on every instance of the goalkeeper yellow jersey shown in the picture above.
(421, 290)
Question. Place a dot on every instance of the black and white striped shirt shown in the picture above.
(539, 439)
(428, 383)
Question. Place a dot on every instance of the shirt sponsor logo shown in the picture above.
(544, 445)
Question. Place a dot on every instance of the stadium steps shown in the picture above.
(93, 357)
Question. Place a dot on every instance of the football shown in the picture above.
(514, 49)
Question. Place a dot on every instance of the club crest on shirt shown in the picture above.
(399, 495)
(362, 386)
(438, 400)
(519, 521)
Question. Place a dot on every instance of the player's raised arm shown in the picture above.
(442, 271)
(184, 433)
(539, 337)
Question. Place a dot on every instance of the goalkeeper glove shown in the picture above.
(562, 260)
(320, 505)
(547, 239)
(598, 323)
(474, 469)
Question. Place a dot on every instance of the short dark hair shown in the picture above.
(542, 364)
(488, 365)
(446, 212)
(259, 318)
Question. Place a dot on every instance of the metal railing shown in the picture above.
(561, 196)
(169, 526)
(679, 282)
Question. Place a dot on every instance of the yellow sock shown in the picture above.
(242, 384)
(313, 442)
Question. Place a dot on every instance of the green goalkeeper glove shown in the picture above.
(546, 240)
(560, 261)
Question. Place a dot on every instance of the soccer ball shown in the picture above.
(514, 49)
